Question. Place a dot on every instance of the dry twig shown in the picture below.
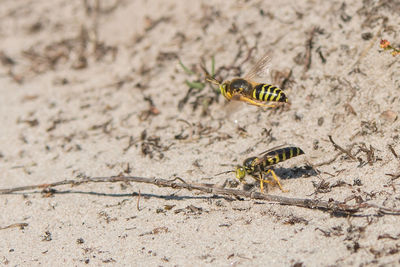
(20, 225)
(346, 151)
(309, 46)
(393, 152)
(331, 205)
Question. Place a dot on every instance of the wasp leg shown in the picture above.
(276, 179)
(251, 101)
(262, 181)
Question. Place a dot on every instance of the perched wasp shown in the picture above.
(257, 166)
(246, 90)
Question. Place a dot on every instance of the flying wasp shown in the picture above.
(246, 90)
(257, 166)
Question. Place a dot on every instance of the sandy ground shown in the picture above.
(92, 89)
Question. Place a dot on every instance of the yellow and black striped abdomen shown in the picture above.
(281, 154)
(268, 92)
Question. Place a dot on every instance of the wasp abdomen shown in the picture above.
(268, 92)
(282, 154)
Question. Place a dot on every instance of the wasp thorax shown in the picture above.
(248, 164)
(239, 85)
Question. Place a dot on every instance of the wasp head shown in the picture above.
(223, 87)
(247, 167)
(240, 172)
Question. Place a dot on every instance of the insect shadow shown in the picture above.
(294, 173)
(286, 174)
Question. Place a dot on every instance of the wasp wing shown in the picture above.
(275, 148)
(261, 68)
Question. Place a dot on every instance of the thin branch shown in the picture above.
(393, 152)
(346, 151)
(327, 162)
(20, 225)
(333, 206)
(309, 46)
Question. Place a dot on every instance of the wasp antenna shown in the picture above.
(212, 80)
(223, 173)
(202, 66)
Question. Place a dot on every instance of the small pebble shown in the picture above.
(389, 115)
